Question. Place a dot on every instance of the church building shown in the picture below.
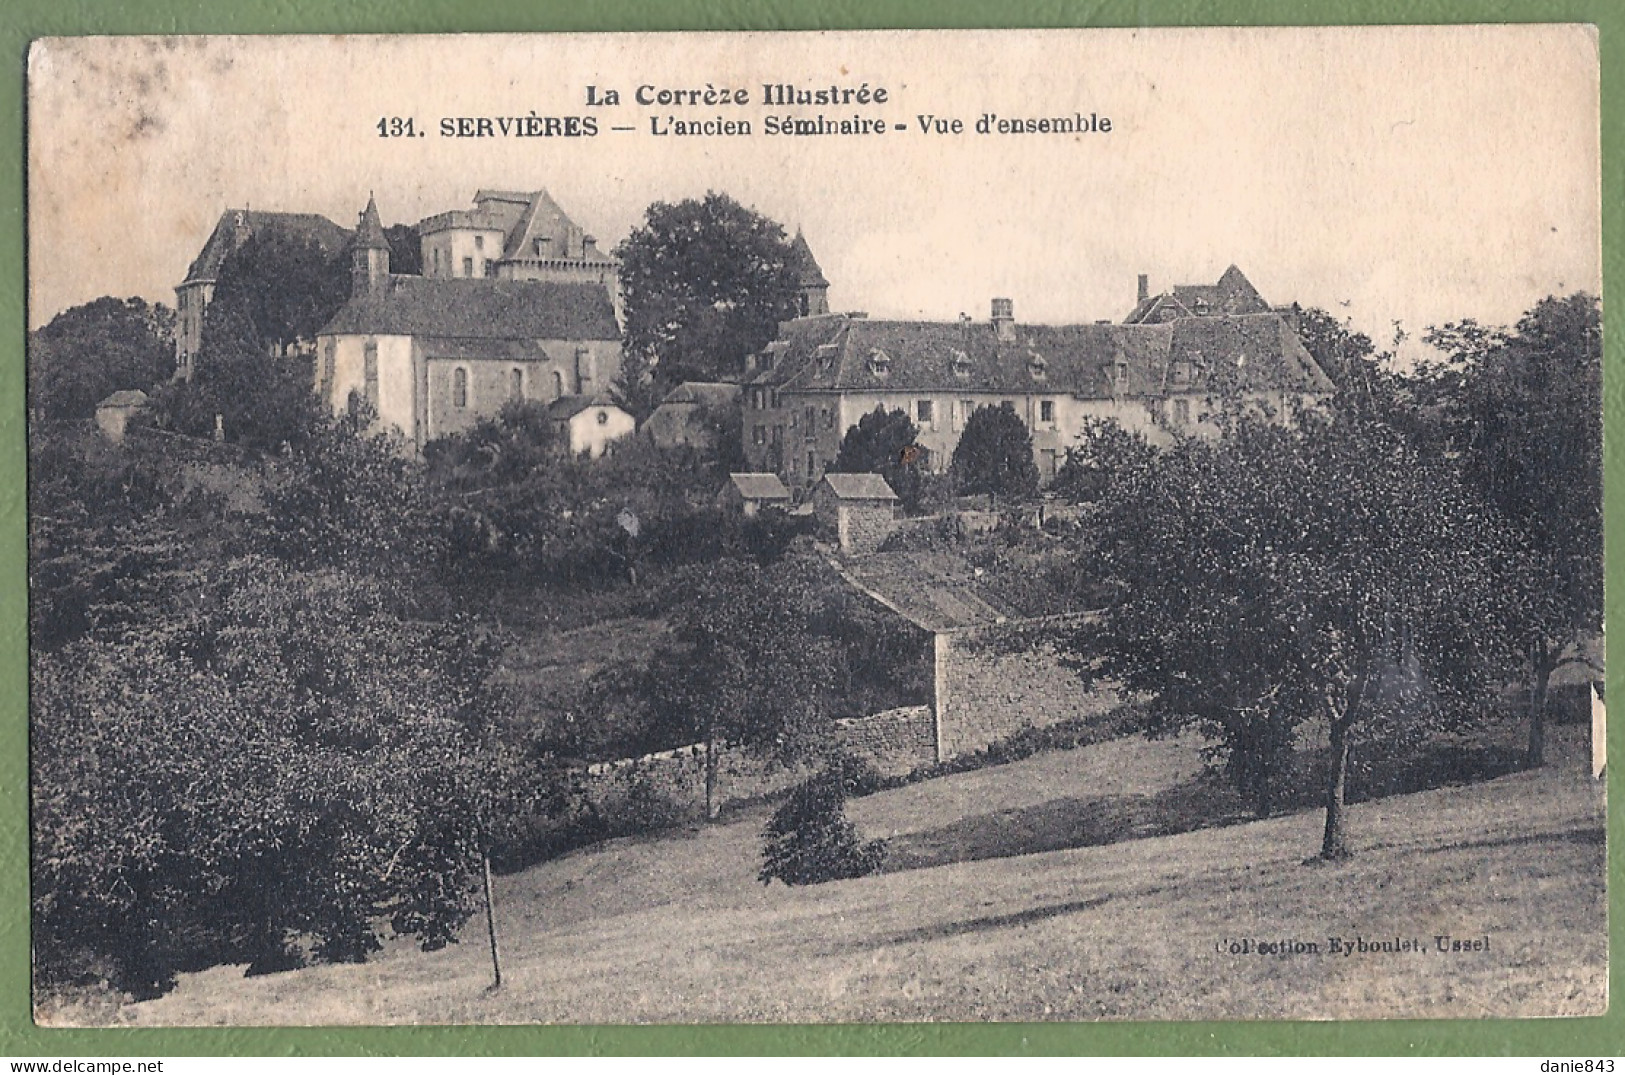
(514, 304)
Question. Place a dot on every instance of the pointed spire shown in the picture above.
(369, 233)
(808, 272)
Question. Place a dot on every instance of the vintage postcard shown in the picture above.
(816, 527)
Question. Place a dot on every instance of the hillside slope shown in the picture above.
(678, 929)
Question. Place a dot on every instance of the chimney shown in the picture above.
(1004, 319)
(1145, 287)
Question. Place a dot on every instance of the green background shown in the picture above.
(24, 20)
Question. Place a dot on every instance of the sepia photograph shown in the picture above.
(816, 527)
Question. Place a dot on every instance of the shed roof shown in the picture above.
(567, 407)
(705, 393)
(124, 397)
(759, 486)
(859, 486)
(935, 591)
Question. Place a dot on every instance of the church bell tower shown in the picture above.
(369, 258)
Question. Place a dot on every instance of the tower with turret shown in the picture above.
(812, 290)
(369, 256)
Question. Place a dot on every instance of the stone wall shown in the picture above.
(675, 779)
(992, 682)
(897, 741)
(865, 527)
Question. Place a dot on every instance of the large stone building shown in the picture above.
(1233, 294)
(430, 355)
(823, 373)
(514, 235)
(236, 227)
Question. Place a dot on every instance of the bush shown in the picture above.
(809, 840)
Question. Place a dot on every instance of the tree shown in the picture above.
(809, 841)
(705, 283)
(498, 450)
(883, 443)
(405, 250)
(348, 498)
(89, 352)
(263, 398)
(1327, 572)
(995, 455)
(745, 667)
(287, 755)
(1105, 453)
(285, 286)
(1526, 417)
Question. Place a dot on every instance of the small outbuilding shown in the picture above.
(688, 416)
(861, 507)
(114, 413)
(750, 493)
(588, 424)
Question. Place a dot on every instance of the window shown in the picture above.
(879, 363)
(778, 435)
(961, 365)
(516, 384)
(829, 417)
(479, 242)
(1181, 412)
(369, 372)
(1037, 368)
(490, 267)
(558, 384)
(924, 411)
(468, 266)
(812, 420)
(1180, 372)
(329, 363)
(812, 461)
(966, 407)
(1046, 411)
(758, 435)
(1008, 404)
(459, 387)
(603, 418)
(792, 419)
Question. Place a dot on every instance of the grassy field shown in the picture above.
(1035, 890)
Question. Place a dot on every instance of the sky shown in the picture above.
(1392, 174)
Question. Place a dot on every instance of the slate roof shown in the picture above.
(1233, 294)
(704, 393)
(369, 232)
(935, 591)
(808, 272)
(479, 309)
(566, 407)
(759, 486)
(310, 227)
(515, 213)
(1252, 352)
(859, 486)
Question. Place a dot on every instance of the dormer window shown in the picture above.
(1037, 368)
(879, 363)
(1179, 372)
(826, 355)
(1116, 374)
(961, 365)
